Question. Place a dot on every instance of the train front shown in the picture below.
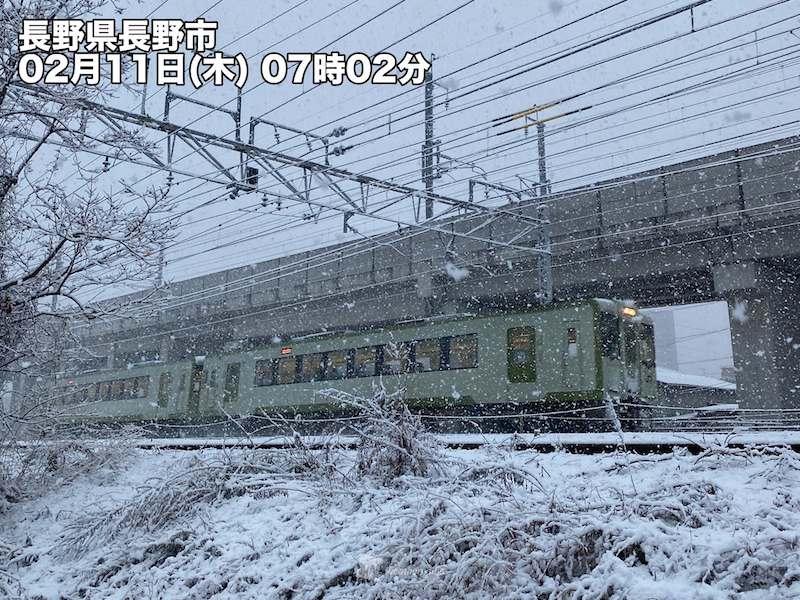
(627, 346)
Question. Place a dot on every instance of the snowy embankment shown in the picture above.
(492, 523)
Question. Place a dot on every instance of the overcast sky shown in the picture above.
(582, 148)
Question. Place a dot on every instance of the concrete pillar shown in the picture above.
(784, 300)
(165, 348)
(753, 352)
(763, 305)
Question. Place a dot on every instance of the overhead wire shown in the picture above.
(659, 126)
(304, 302)
(204, 145)
(414, 156)
(228, 288)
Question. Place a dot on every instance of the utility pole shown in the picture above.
(545, 270)
(544, 185)
(544, 259)
(427, 147)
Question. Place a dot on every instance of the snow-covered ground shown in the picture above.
(674, 377)
(489, 523)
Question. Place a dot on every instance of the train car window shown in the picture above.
(231, 391)
(609, 335)
(164, 383)
(395, 358)
(464, 351)
(103, 390)
(521, 354)
(427, 355)
(117, 389)
(337, 364)
(364, 362)
(313, 367)
(91, 392)
(132, 388)
(212, 378)
(265, 374)
(287, 367)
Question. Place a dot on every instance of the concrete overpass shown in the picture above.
(725, 226)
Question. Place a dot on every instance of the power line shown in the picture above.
(311, 311)
(413, 155)
(674, 224)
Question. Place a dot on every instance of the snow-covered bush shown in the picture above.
(392, 442)
(26, 470)
(494, 523)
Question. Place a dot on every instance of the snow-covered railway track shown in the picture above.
(588, 443)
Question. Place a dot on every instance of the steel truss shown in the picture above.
(357, 193)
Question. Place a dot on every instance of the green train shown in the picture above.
(563, 360)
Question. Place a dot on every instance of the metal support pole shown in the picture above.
(544, 186)
(545, 270)
(427, 147)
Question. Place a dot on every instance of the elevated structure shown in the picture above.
(685, 390)
(725, 226)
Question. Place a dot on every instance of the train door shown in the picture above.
(648, 356)
(611, 348)
(195, 387)
(632, 358)
(573, 376)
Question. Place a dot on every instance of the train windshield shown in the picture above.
(648, 345)
(610, 335)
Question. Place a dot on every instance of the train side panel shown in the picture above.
(546, 358)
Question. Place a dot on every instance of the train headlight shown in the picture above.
(629, 311)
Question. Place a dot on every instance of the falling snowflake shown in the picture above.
(455, 273)
(449, 84)
(739, 312)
